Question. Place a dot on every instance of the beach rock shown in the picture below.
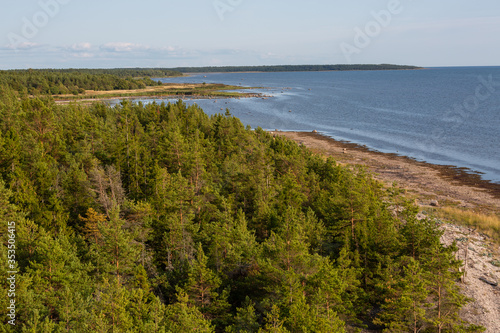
(314, 131)
(434, 203)
(421, 216)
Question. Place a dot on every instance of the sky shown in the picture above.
(171, 33)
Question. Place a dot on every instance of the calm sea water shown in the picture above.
(447, 116)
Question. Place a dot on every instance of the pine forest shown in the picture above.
(161, 218)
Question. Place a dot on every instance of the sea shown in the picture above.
(445, 115)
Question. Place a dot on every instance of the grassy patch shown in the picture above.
(488, 224)
(198, 90)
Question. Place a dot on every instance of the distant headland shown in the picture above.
(292, 68)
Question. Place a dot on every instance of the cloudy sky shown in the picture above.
(171, 33)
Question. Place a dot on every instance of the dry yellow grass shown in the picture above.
(486, 223)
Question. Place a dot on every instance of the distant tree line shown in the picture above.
(76, 81)
(292, 68)
(120, 72)
(134, 72)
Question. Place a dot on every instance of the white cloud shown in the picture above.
(81, 47)
(23, 46)
(123, 47)
(167, 48)
(83, 55)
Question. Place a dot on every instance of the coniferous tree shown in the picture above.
(115, 251)
(182, 317)
(273, 322)
(405, 310)
(443, 276)
(246, 319)
(110, 312)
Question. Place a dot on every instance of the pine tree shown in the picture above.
(117, 251)
(286, 260)
(54, 269)
(91, 225)
(443, 275)
(173, 227)
(273, 322)
(74, 310)
(231, 245)
(202, 288)
(37, 324)
(333, 291)
(405, 310)
(182, 317)
(418, 235)
(246, 319)
(111, 309)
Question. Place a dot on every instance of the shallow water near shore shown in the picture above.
(448, 116)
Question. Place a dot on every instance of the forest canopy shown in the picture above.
(76, 81)
(160, 218)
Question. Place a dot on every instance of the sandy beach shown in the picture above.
(424, 181)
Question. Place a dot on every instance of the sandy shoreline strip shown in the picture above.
(447, 184)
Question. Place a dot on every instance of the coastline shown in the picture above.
(189, 74)
(425, 181)
(164, 91)
(430, 185)
(165, 97)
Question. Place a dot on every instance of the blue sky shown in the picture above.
(170, 33)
